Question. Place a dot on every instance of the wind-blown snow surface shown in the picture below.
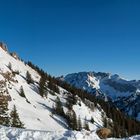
(37, 113)
(21, 134)
(7, 133)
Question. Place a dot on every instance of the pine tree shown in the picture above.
(42, 84)
(86, 126)
(10, 66)
(105, 122)
(92, 120)
(29, 78)
(52, 86)
(22, 94)
(4, 118)
(15, 121)
(72, 119)
(58, 107)
(79, 124)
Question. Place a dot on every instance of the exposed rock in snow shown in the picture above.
(14, 54)
(3, 46)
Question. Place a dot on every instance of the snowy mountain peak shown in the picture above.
(109, 87)
(83, 80)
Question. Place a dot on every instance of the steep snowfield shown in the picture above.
(37, 113)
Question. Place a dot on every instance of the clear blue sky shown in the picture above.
(64, 36)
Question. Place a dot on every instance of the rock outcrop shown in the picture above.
(104, 133)
(3, 46)
(14, 54)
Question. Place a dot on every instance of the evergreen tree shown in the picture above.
(86, 126)
(58, 107)
(15, 121)
(79, 124)
(42, 84)
(92, 120)
(105, 122)
(4, 118)
(22, 94)
(71, 100)
(52, 86)
(29, 78)
(72, 119)
(10, 66)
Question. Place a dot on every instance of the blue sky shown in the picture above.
(74, 35)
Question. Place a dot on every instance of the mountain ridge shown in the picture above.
(111, 87)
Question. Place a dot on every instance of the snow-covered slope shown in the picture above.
(125, 94)
(36, 111)
(32, 114)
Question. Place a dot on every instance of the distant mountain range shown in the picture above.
(123, 93)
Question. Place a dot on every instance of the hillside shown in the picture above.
(37, 112)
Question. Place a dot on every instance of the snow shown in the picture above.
(83, 80)
(22, 134)
(36, 114)
(124, 93)
(84, 112)
(111, 92)
(130, 138)
(7, 133)
(90, 81)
